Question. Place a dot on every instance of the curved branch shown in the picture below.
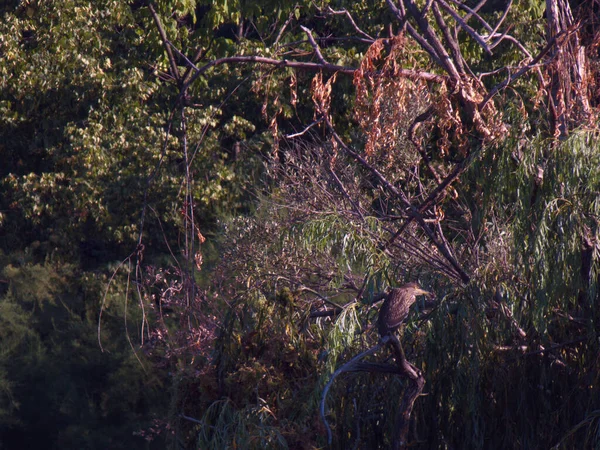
(345, 368)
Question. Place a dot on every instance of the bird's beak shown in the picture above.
(423, 292)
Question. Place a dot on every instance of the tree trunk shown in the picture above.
(568, 74)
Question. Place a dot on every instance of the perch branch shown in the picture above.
(345, 368)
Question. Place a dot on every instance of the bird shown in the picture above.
(395, 307)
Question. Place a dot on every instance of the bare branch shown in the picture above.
(314, 45)
(325, 313)
(340, 185)
(345, 368)
(465, 26)
(427, 7)
(280, 63)
(412, 210)
(174, 70)
(541, 349)
(199, 55)
(287, 22)
(450, 40)
(325, 299)
(400, 14)
(306, 129)
(525, 69)
(347, 14)
(473, 12)
(191, 419)
(508, 37)
(503, 17)
(430, 36)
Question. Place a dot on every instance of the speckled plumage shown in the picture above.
(396, 306)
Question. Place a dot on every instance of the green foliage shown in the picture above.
(51, 366)
(224, 426)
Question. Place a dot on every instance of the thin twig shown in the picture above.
(287, 22)
(295, 135)
(347, 14)
(525, 69)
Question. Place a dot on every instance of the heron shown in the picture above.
(395, 307)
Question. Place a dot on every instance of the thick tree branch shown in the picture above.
(450, 41)
(432, 39)
(400, 14)
(415, 388)
(345, 368)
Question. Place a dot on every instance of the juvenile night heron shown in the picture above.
(395, 307)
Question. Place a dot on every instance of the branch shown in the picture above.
(450, 41)
(503, 17)
(347, 14)
(174, 70)
(199, 55)
(314, 45)
(325, 313)
(341, 187)
(345, 368)
(508, 37)
(425, 254)
(280, 63)
(465, 26)
(295, 135)
(287, 22)
(191, 419)
(541, 350)
(403, 368)
(375, 368)
(325, 299)
(410, 395)
(473, 12)
(412, 210)
(401, 16)
(429, 35)
(524, 70)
